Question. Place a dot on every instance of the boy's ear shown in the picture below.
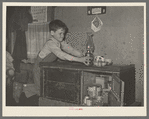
(52, 32)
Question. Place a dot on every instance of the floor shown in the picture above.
(32, 101)
(24, 101)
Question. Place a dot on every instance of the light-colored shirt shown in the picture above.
(62, 50)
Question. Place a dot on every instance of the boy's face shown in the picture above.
(58, 34)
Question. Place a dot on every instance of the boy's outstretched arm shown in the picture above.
(69, 49)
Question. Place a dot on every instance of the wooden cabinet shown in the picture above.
(65, 83)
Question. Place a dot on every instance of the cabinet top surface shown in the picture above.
(80, 66)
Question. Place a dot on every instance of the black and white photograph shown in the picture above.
(75, 59)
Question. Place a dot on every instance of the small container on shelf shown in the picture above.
(85, 100)
(99, 91)
(92, 91)
(105, 97)
(89, 102)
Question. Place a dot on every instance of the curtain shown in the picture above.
(36, 36)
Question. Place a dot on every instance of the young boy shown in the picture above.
(54, 48)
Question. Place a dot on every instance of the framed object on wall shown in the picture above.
(94, 10)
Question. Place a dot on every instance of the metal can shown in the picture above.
(99, 91)
(88, 102)
(99, 98)
(92, 91)
(105, 97)
(85, 99)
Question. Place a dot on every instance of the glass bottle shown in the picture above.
(89, 47)
(90, 44)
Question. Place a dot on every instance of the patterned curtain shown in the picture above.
(36, 36)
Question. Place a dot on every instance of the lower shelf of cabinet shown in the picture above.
(50, 102)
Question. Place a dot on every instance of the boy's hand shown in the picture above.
(87, 60)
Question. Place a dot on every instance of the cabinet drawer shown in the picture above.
(62, 75)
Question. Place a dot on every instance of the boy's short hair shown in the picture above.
(57, 24)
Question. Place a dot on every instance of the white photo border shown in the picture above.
(65, 111)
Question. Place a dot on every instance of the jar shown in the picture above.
(92, 91)
(99, 91)
(88, 102)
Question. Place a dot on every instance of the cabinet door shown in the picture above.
(62, 85)
(116, 94)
